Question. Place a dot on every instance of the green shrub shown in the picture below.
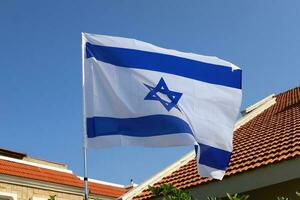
(169, 192)
(212, 198)
(237, 197)
(282, 198)
(52, 197)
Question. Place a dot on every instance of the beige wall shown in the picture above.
(26, 193)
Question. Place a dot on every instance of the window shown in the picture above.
(7, 196)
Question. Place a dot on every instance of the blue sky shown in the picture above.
(40, 66)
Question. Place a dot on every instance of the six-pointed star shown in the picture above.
(162, 88)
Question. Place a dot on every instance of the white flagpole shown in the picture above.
(86, 190)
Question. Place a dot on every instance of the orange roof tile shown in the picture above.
(270, 137)
(52, 176)
(106, 190)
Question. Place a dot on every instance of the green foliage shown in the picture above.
(212, 198)
(237, 197)
(286, 198)
(282, 198)
(52, 197)
(169, 192)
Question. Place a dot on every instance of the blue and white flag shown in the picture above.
(136, 93)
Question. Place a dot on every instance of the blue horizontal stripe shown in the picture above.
(214, 157)
(188, 68)
(152, 125)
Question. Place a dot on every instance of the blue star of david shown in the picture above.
(162, 88)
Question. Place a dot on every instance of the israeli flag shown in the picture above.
(136, 93)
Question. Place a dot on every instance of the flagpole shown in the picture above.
(85, 179)
(86, 190)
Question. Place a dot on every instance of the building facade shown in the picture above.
(26, 178)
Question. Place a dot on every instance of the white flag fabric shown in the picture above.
(136, 93)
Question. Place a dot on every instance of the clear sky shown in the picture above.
(40, 66)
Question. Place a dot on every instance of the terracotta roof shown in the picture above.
(270, 137)
(106, 190)
(52, 176)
